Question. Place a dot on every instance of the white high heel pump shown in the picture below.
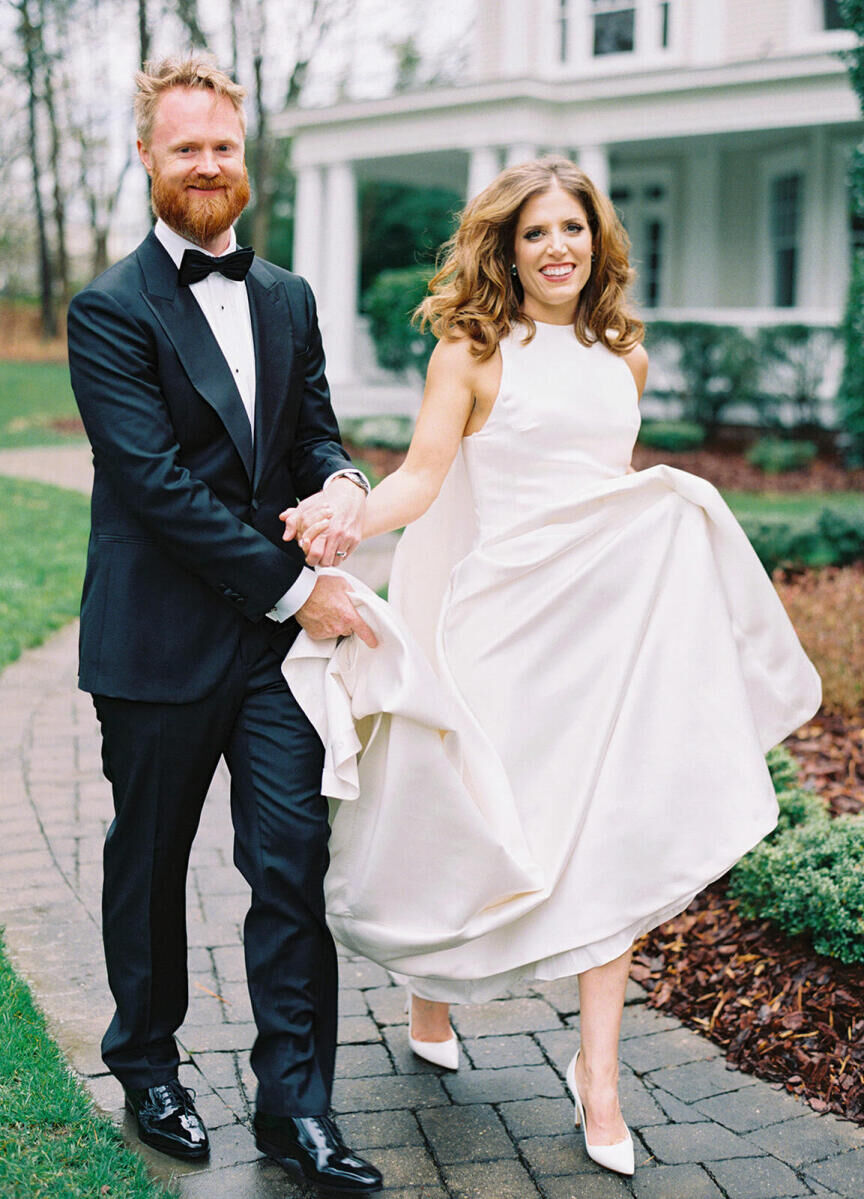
(439, 1053)
(618, 1157)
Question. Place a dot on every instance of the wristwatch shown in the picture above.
(354, 476)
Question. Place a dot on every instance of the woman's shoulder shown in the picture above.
(457, 351)
(637, 360)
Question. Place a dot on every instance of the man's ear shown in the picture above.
(144, 155)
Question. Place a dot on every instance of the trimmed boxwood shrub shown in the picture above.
(774, 455)
(672, 435)
(807, 876)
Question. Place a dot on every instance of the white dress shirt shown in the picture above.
(225, 304)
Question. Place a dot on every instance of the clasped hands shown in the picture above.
(328, 526)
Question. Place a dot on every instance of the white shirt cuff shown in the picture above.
(295, 597)
(349, 471)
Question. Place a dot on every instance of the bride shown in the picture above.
(609, 661)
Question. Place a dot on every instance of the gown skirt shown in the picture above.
(560, 738)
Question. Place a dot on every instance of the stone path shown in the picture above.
(499, 1129)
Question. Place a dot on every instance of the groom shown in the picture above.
(200, 377)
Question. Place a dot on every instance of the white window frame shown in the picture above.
(637, 179)
(807, 32)
(774, 166)
(581, 61)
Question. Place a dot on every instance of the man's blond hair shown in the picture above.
(199, 71)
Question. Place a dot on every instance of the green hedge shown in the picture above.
(776, 455)
(830, 539)
(672, 435)
(808, 875)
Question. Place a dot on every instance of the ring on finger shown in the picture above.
(341, 553)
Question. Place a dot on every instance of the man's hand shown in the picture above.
(328, 525)
(328, 612)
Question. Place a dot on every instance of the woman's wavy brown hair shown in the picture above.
(474, 293)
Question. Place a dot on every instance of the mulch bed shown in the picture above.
(725, 466)
(781, 1011)
(728, 469)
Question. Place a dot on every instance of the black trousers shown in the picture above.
(160, 759)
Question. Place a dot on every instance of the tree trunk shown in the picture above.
(59, 198)
(261, 182)
(29, 37)
(143, 32)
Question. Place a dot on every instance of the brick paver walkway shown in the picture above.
(499, 1129)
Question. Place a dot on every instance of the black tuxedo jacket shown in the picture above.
(185, 544)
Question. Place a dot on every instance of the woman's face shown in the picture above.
(552, 253)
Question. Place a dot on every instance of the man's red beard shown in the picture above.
(194, 215)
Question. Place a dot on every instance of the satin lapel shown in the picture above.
(186, 327)
(274, 354)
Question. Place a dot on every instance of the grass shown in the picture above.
(51, 1144)
(34, 397)
(792, 504)
(43, 540)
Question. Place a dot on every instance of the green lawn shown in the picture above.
(32, 396)
(794, 504)
(43, 540)
(51, 1144)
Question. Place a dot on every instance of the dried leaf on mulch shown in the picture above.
(830, 752)
(780, 1011)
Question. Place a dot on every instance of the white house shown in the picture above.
(721, 129)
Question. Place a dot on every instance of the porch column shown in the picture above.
(483, 166)
(340, 272)
(701, 217)
(519, 152)
(308, 206)
(594, 161)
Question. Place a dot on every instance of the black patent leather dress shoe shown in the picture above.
(168, 1121)
(311, 1147)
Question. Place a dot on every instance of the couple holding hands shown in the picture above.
(549, 741)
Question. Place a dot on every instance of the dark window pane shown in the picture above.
(653, 262)
(656, 191)
(563, 47)
(619, 195)
(832, 18)
(785, 276)
(614, 32)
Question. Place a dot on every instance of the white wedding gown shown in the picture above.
(560, 739)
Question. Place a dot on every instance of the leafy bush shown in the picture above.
(783, 768)
(794, 360)
(389, 303)
(850, 398)
(809, 879)
(775, 456)
(719, 365)
(672, 435)
(797, 806)
(831, 539)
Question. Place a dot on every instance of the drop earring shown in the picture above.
(513, 270)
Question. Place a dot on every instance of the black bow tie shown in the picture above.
(196, 266)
